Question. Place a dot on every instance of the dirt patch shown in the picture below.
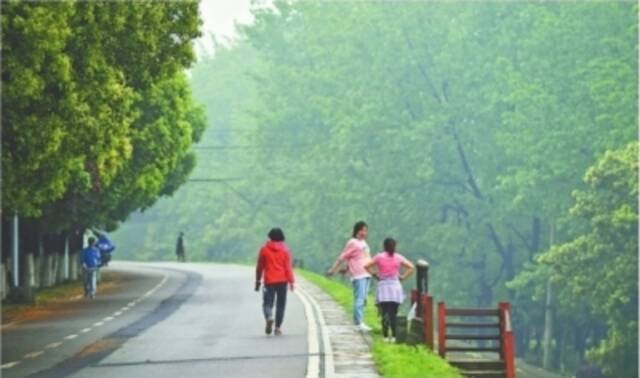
(52, 303)
(98, 347)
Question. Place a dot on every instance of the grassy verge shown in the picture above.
(392, 360)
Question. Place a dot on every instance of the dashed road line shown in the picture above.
(33, 354)
(53, 345)
(10, 364)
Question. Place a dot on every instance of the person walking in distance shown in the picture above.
(356, 255)
(180, 251)
(385, 267)
(274, 268)
(90, 265)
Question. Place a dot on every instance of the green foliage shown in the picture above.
(601, 266)
(98, 116)
(461, 129)
(55, 106)
(392, 360)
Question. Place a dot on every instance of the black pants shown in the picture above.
(105, 257)
(389, 315)
(277, 292)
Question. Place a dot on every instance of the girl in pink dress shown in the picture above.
(385, 267)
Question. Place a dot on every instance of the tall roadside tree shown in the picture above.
(98, 116)
(600, 266)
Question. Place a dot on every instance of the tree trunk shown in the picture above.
(535, 238)
(29, 271)
(73, 268)
(548, 318)
(48, 270)
(61, 268)
(4, 287)
(547, 344)
(579, 343)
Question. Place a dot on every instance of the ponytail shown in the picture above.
(389, 246)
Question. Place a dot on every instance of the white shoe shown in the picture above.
(392, 340)
(387, 340)
(363, 327)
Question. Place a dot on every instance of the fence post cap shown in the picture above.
(421, 263)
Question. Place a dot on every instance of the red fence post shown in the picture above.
(507, 342)
(427, 317)
(442, 329)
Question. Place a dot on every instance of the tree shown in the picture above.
(600, 267)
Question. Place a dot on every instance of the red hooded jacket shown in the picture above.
(274, 261)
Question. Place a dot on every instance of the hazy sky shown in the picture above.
(218, 17)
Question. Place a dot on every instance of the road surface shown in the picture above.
(170, 320)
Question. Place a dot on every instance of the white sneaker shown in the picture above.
(363, 327)
(392, 340)
(387, 340)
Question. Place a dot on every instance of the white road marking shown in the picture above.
(313, 362)
(9, 365)
(33, 354)
(53, 345)
(329, 368)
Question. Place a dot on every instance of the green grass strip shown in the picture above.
(392, 360)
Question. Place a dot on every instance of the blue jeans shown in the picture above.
(90, 282)
(274, 293)
(360, 291)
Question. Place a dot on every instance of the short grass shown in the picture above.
(392, 360)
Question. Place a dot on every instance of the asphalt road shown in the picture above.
(169, 320)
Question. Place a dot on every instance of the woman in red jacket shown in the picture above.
(274, 266)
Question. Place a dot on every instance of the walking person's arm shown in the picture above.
(259, 270)
(289, 271)
(83, 257)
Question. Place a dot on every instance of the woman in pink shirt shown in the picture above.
(356, 255)
(390, 293)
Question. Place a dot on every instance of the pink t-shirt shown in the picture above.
(356, 254)
(389, 265)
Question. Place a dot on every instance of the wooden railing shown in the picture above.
(507, 340)
(484, 366)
